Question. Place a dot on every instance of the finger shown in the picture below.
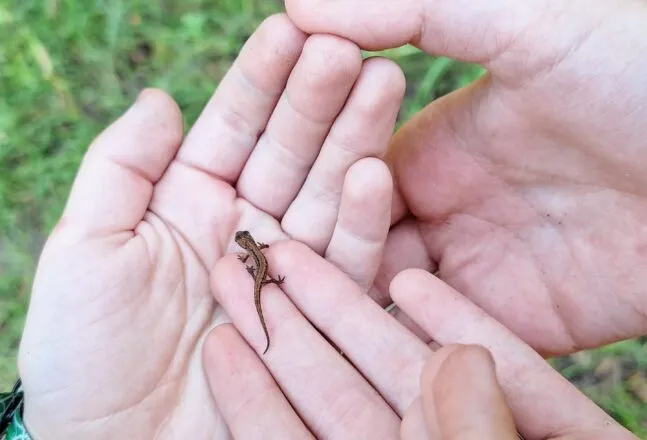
(404, 249)
(226, 132)
(536, 393)
(362, 129)
(190, 200)
(327, 392)
(462, 398)
(491, 33)
(315, 94)
(414, 426)
(363, 223)
(251, 403)
(115, 182)
(410, 325)
(361, 329)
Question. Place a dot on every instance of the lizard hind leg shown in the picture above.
(271, 280)
(251, 271)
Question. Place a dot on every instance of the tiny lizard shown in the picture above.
(260, 275)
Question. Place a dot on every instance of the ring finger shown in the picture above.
(362, 129)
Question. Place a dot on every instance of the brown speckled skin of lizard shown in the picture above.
(254, 249)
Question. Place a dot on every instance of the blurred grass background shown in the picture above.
(70, 67)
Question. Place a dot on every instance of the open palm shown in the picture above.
(527, 188)
(121, 301)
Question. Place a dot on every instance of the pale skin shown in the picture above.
(302, 388)
(526, 189)
(121, 301)
(122, 295)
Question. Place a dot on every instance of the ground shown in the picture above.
(69, 67)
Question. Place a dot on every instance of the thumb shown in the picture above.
(532, 34)
(462, 398)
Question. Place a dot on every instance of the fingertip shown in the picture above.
(339, 58)
(476, 363)
(409, 280)
(369, 179)
(145, 137)
(265, 62)
(164, 110)
(302, 13)
(367, 121)
(472, 356)
(279, 33)
(280, 26)
(115, 182)
(390, 77)
(357, 243)
(458, 360)
(160, 99)
(371, 170)
(366, 204)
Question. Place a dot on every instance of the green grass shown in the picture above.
(70, 67)
(615, 377)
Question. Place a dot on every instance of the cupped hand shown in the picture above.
(527, 188)
(121, 300)
(342, 367)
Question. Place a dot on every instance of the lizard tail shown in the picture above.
(260, 315)
(267, 336)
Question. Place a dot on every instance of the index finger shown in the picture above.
(492, 33)
(544, 404)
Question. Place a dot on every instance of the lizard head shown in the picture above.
(243, 238)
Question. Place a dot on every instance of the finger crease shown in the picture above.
(287, 155)
(324, 122)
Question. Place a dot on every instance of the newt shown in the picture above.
(261, 276)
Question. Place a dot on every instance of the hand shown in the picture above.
(460, 398)
(121, 301)
(303, 387)
(527, 188)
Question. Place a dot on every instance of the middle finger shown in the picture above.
(315, 94)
